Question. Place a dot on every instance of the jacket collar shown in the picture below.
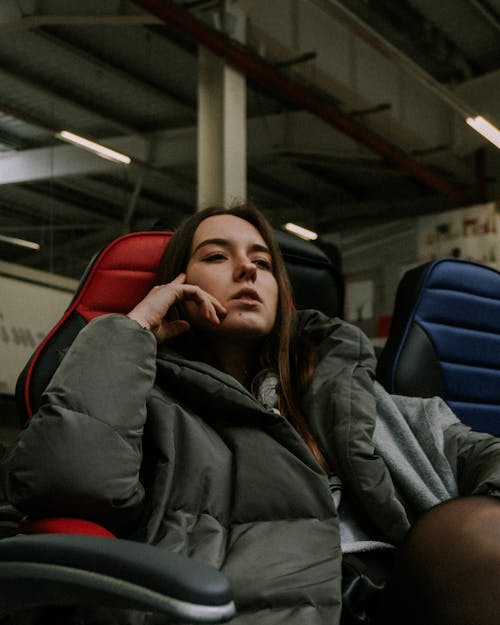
(222, 401)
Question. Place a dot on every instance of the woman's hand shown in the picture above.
(150, 312)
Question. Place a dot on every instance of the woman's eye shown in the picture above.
(214, 258)
(263, 263)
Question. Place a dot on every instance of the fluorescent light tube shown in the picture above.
(485, 128)
(301, 232)
(22, 242)
(96, 148)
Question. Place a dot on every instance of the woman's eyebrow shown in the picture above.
(256, 247)
(223, 242)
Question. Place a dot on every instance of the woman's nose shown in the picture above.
(246, 270)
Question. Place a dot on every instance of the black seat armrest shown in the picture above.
(51, 569)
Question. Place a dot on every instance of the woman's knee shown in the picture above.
(451, 562)
(468, 527)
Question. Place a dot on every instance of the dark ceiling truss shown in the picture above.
(65, 35)
(42, 201)
(490, 12)
(321, 184)
(186, 102)
(103, 207)
(11, 141)
(59, 105)
(76, 93)
(419, 38)
(345, 217)
(149, 208)
(169, 176)
(472, 25)
(152, 206)
(73, 252)
(52, 223)
(258, 70)
(348, 178)
(85, 206)
(365, 165)
(331, 191)
(161, 92)
(339, 187)
(278, 187)
(10, 215)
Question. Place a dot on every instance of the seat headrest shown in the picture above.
(316, 282)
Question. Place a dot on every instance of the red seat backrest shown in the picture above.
(117, 278)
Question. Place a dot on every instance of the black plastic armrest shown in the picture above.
(51, 569)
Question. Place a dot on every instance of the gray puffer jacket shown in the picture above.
(175, 453)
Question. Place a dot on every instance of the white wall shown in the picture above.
(378, 256)
(28, 311)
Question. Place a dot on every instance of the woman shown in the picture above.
(214, 422)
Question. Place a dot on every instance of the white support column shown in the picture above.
(221, 132)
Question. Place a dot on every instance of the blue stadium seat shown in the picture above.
(445, 340)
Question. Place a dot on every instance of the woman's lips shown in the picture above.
(249, 295)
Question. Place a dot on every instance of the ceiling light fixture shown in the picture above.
(301, 232)
(92, 146)
(22, 242)
(485, 128)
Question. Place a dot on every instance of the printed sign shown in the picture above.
(27, 313)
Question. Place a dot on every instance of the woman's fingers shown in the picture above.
(180, 279)
(210, 307)
(151, 311)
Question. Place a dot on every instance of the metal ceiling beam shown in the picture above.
(356, 25)
(264, 74)
(12, 19)
(489, 15)
(420, 42)
(75, 253)
(348, 216)
(28, 200)
(174, 147)
(86, 105)
(112, 191)
(143, 84)
(56, 96)
(171, 148)
(36, 229)
(51, 162)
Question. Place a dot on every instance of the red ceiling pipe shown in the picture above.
(261, 72)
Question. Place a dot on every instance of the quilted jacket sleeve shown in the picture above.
(478, 461)
(80, 454)
(340, 404)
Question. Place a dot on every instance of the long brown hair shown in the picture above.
(280, 352)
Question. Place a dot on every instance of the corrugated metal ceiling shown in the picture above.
(109, 80)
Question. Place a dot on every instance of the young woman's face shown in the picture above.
(231, 261)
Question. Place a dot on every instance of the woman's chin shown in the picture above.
(242, 326)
